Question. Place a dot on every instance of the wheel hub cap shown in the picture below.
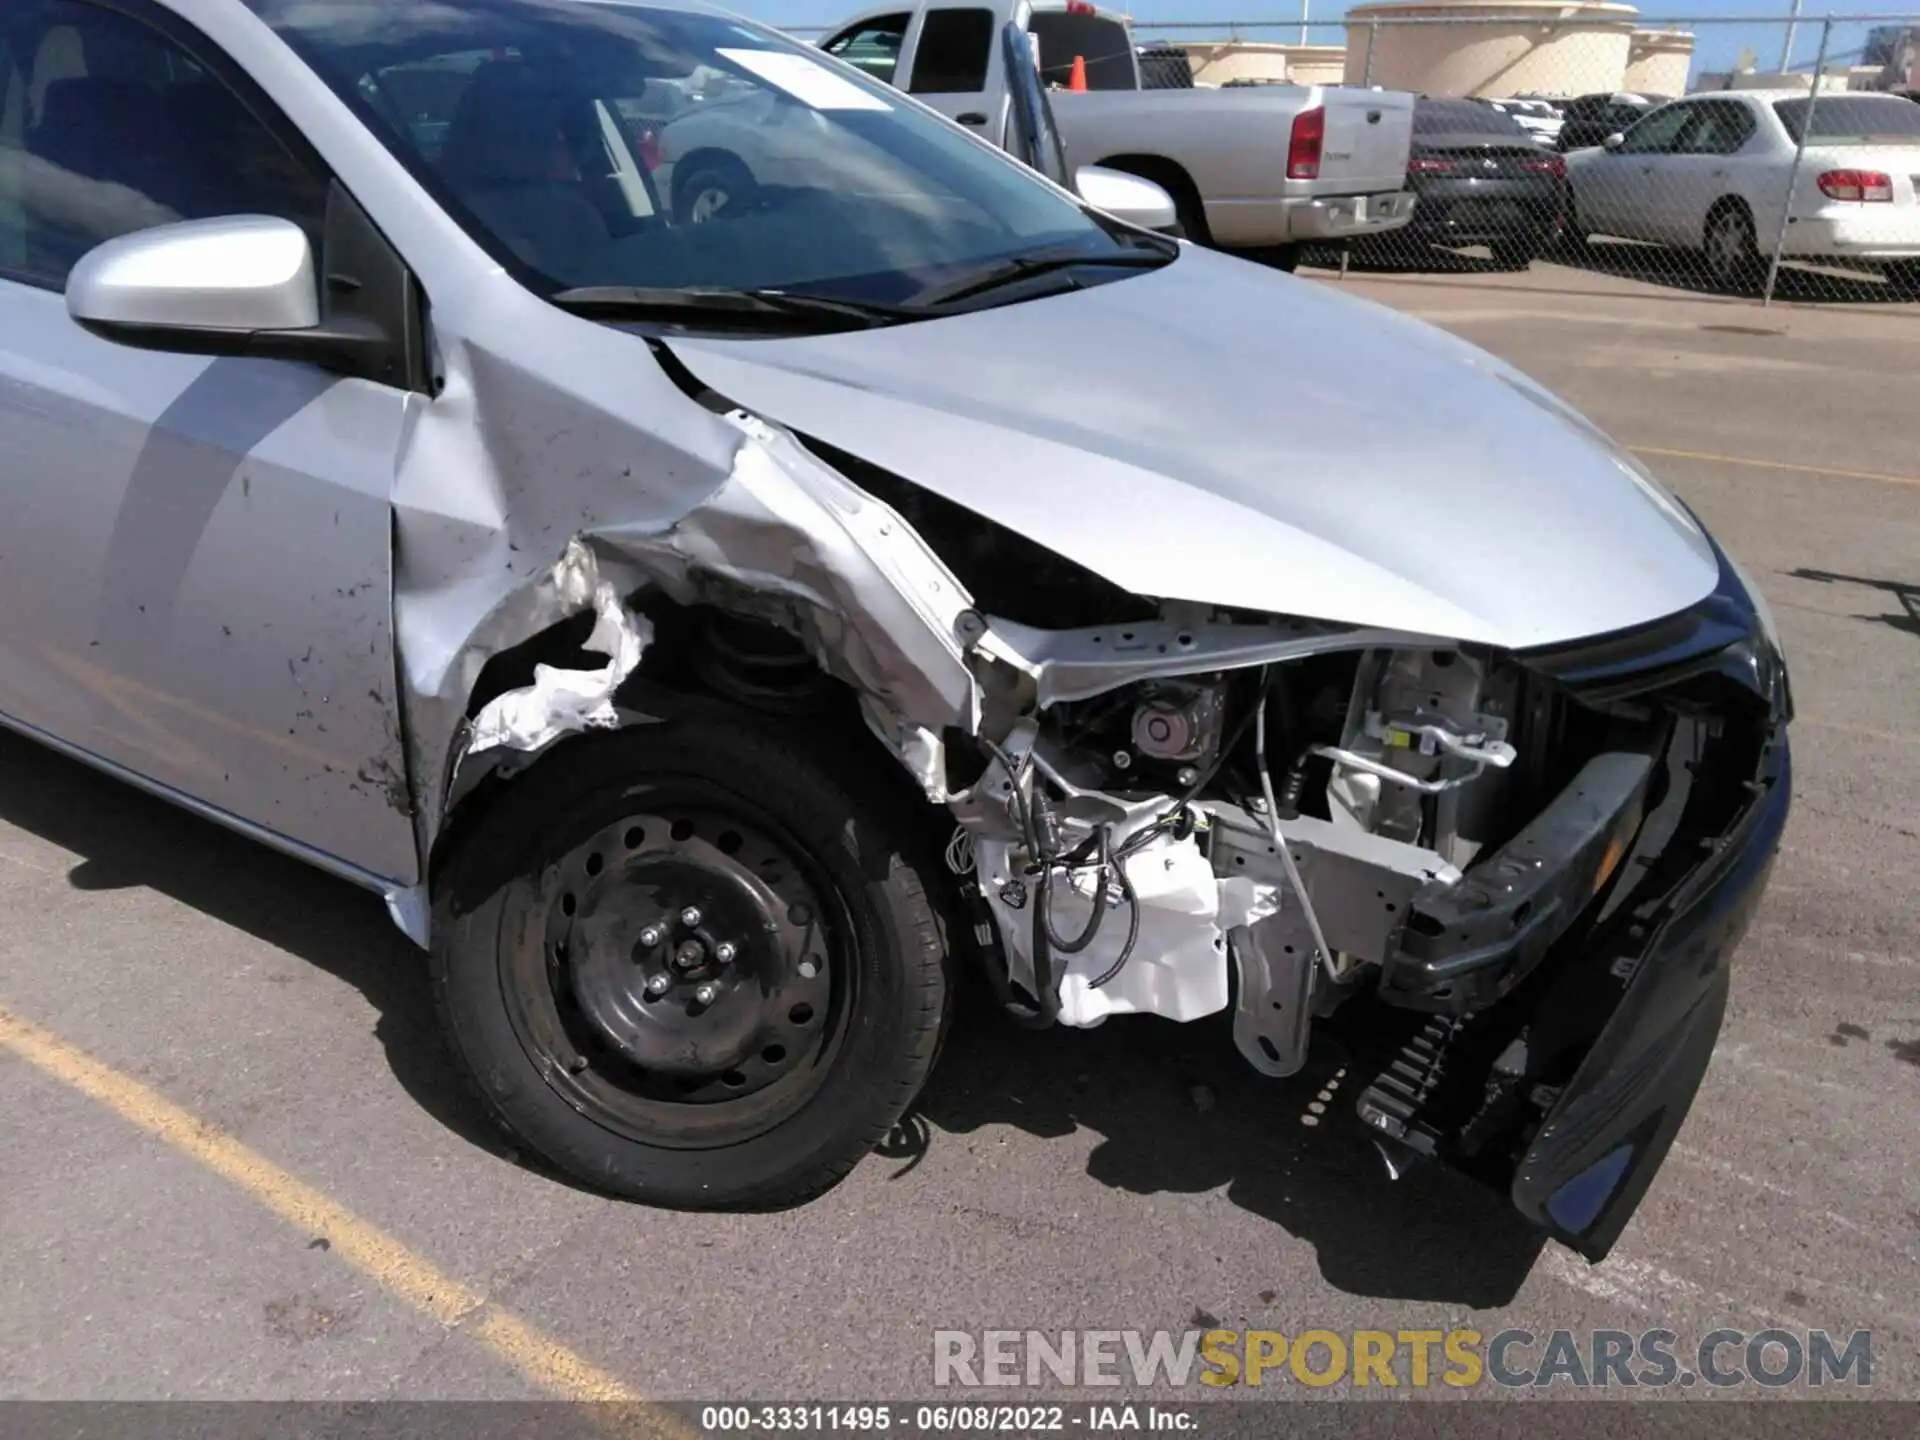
(691, 950)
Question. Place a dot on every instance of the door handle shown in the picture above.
(971, 117)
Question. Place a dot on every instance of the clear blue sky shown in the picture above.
(1716, 47)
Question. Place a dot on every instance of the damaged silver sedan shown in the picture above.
(712, 627)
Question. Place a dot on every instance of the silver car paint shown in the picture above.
(1216, 433)
(1213, 431)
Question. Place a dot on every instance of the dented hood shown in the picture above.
(1213, 431)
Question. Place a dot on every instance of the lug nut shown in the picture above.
(652, 936)
(657, 984)
(707, 994)
(724, 952)
(690, 916)
(808, 969)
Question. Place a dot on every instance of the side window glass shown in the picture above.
(118, 129)
(956, 49)
(873, 46)
(1658, 133)
(1722, 130)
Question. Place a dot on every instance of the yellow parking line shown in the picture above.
(1879, 475)
(370, 1250)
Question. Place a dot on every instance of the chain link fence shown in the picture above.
(1770, 157)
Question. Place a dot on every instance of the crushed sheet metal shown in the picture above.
(560, 700)
(509, 469)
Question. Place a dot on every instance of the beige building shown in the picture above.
(1658, 62)
(1215, 62)
(1515, 47)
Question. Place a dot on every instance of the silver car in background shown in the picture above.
(708, 637)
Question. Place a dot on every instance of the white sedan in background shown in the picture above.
(1711, 172)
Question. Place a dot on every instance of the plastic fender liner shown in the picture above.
(1608, 1132)
(1466, 945)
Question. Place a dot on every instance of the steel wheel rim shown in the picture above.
(1728, 247)
(668, 1066)
(708, 201)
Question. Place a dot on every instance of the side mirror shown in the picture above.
(1614, 141)
(1126, 197)
(197, 286)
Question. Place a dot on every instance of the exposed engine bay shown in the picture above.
(1276, 823)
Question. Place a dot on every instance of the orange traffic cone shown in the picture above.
(1078, 79)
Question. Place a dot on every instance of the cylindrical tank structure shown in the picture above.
(1658, 62)
(1511, 47)
(1215, 62)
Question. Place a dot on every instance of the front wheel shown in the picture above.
(711, 188)
(688, 964)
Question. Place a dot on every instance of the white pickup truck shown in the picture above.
(1267, 168)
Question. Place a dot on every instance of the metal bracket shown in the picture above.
(1276, 965)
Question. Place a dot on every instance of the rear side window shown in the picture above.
(1102, 42)
(108, 126)
(1462, 118)
(956, 48)
(1852, 119)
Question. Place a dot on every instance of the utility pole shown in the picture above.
(1303, 19)
(1786, 46)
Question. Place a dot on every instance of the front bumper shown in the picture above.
(1575, 979)
(1607, 1134)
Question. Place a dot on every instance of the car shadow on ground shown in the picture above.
(1177, 1108)
(1179, 1112)
(127, 839)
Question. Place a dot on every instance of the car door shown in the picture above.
(195, 581)
(951, 64)
(1702, 168)
(1619, 190)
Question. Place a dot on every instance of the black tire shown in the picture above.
(1730, 249)
(708, 187)
(1514, 254)
(540, 963)
(1274, 257)
(1904, 278)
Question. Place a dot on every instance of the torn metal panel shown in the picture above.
(563, 700)
(520, 503)
(499, 474)
(789, 540)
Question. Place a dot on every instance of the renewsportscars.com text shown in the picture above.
(1508, 1359)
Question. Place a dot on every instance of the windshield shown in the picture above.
(605, 146)
(1853, 120)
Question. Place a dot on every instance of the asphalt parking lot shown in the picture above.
(234, 1162)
